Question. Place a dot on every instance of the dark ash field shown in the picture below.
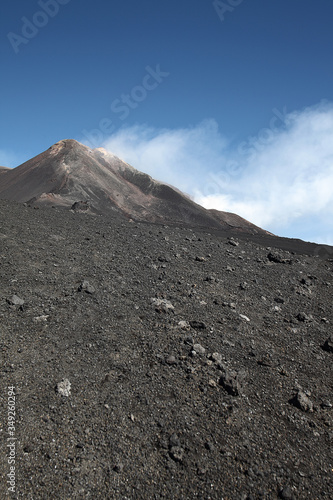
(154, 361)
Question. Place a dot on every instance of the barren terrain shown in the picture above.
(156, 361)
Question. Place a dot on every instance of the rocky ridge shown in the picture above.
(70, 174)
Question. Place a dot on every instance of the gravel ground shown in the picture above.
(151, 361)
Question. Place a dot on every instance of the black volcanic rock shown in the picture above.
(69, 173)
(116, 398)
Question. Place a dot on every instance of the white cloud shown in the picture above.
(288, 179)
(177, 157)
(281, 179)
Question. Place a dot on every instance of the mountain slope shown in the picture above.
(69, 172)
(162, 362)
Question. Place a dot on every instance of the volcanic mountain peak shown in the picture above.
(71, 173)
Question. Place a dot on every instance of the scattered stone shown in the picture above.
(174, 440)
(233, 242)
(200, 259)
(232, 382)
(162, 305)
(184, 325)
(303, 317)
(171, 360)
(244, 317)
(86, 287)
(302, 401)
(118, 467)
(198, 349)
(278, 258)
(163, 258)
(265, 361)
(41, 319)
(188, 340)
(15, 301)
(177, 453)
(217, 357)
(198, 325)
(64, 387)
(209, 446)
(326, 405)
(328, 345)
(286, 493)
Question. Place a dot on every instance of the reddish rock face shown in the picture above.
(69, 172)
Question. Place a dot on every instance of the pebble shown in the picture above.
(277, 258)
(302, 401)
(198, 325)
(198, 349)
(15, 301)
(184, 325)
(162, 305)
(286, 494)
(64, 387)
(86, 287)
(171, 360)
(217, 357)
(328, 345)
(174, 440)
(188, 340)
(177, 453)
(232, 382)
(303, 317)
(119, 467)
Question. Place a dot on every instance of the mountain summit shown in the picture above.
(70, 174)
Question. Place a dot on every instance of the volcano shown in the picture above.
(152, 349)
(70, 174)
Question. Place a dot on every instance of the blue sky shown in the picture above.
(231, 101)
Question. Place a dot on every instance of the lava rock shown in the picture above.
(278, 258)
(64, 388)
(86, 287)
(302, 401)
(232, 382)
(198, 349)
(162, 305)
(198, 325)
(177, 453)
(328, 345)
(15, 301)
